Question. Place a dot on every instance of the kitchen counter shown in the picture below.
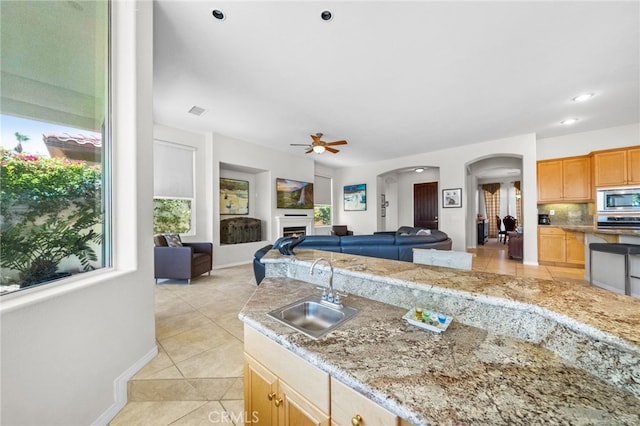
(616, 317)
(594, 230)
(466, 375)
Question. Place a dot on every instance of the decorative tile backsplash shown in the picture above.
(569, 214)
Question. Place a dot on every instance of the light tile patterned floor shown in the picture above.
(196, 379)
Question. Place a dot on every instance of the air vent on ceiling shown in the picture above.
(196, 110)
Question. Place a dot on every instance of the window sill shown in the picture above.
(31, 296)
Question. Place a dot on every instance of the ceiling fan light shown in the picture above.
(318, 149)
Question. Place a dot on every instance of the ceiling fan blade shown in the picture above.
(332, 150)
(309, 151)
(337, 143)
(299, 144)
(315, 138)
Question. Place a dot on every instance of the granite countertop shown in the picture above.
(593, 230)
(465, 375)
(615, 314)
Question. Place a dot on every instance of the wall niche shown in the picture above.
(243, 210)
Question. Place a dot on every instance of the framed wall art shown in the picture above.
(451, 198)
(294, 194)
(355, 197)
(234, 196)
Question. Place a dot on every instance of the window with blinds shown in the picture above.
(322, 201)
(173, 188)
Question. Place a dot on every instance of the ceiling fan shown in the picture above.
(319, 146)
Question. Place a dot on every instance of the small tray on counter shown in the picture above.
(432, 324)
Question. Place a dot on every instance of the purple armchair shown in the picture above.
(177, 260)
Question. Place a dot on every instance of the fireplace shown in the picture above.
(294, 231)
(288, 225)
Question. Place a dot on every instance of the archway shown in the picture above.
(504, 170)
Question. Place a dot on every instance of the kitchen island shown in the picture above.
(518, 351)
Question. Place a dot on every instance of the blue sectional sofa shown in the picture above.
(396, 245)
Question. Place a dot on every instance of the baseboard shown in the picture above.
(231, 265)
(120, 388)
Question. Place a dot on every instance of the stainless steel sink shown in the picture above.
(311, 317)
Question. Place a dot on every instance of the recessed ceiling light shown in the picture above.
(326, 15)
(218, 14)
(419, 169)
(583, 97)
(569, 121)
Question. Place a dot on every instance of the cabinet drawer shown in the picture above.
(548, 230)
(347, 403)
(308, 380)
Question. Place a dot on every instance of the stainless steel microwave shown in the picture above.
(618, 200)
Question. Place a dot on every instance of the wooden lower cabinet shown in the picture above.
(558, 247)
(260, 387)
(271, 401)
(575, 248)
(348, 407)
(283, 389)
(551, 245)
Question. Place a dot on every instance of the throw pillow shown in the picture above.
(424, 232)
(173, 240)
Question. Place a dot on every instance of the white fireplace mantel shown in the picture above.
(289, 221)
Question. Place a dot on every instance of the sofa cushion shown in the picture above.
(173, 240)
(421, 239)
(159, 240)
(321, 241)
(200, 258)
(370, 245)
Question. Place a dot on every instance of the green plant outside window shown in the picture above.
(322, 215)
(50, 210)
(171, 215)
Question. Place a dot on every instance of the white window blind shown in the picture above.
(322, 190)
(172, 170)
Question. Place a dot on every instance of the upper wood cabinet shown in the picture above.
(564, 179)
(617, 167)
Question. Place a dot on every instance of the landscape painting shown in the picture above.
(355, 197)
(294, 194)
(234, 196)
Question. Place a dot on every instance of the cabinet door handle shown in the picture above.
(271, 395)
(356, 420)
(278, 402)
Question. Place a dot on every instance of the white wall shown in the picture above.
(278, 165)
(586, 142)
(69, 348)
(382, 177)
(451, 164)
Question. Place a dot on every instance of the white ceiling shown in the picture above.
(394, 78)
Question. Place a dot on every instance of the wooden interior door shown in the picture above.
(425, 205)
